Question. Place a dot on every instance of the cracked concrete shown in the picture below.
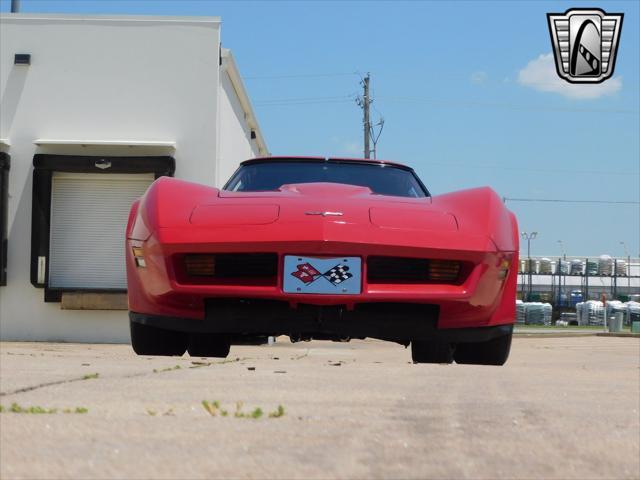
(561, 408)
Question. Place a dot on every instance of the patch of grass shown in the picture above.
(90, 376)
(200, 364)
(76, 410)
(15, 408)
(238, 413)
(257, 413)
(214, 409)
(278, 413)
(38, 410)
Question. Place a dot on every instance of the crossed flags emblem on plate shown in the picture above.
(308, 274)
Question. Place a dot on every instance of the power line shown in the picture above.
(302, 75)
(304, 100)
(555, 200)
(528, 169)
(508, 106)
(445, 104)
(268, 105)
(296, 99)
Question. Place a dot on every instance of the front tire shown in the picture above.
(431, 352)
(147, 340)
(208, 345)
(492, 352)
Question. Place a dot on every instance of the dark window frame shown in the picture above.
(5, 165)
(43, 167)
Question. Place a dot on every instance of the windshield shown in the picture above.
(381, 179)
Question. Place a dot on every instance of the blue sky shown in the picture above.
(466, 93)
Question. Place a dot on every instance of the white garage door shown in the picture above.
(89, 215)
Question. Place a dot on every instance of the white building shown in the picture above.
(92, 109)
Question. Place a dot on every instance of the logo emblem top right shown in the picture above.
(585, 43)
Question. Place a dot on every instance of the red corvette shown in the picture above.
(316, 248)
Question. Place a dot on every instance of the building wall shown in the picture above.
(100, 79)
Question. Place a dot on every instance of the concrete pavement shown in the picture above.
(560, 408)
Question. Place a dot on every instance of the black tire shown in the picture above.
(431, 352)
(491, 352)
(147, 340)
(208, 345)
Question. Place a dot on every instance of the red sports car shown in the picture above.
(329, 249)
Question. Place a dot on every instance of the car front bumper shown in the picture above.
(398, 322)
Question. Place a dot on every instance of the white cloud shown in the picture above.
(352, 148)
(540, 74)
(344, 147)
(479, 77)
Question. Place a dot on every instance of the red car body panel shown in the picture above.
(176, 217)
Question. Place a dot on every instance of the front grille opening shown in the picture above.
(397, 270)
(400, 270)
(229, 268)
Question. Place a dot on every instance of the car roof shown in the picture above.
(323, 159)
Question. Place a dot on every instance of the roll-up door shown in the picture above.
(88, 220)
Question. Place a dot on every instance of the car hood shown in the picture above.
(326, 202)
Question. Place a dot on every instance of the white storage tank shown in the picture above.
(621, 268)
(605, 265)
(577, 267)
(545, 266)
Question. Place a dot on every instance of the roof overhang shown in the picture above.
(163, 144)
(66, 17)
(231, 68)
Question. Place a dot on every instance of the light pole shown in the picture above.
(626, 252)
(563, 258)
(562, 250)
(528, 237)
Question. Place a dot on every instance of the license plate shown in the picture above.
(328, 276)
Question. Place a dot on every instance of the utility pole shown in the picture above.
(15, 6)
(370, 135)
(366, 102)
